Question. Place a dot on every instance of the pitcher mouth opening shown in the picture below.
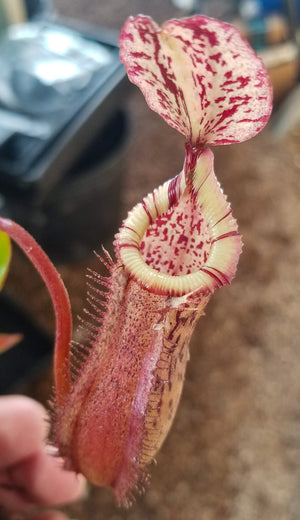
(182, 238)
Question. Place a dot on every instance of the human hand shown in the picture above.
(30, 476)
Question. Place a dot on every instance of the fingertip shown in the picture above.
(47, 481)
(23, 428)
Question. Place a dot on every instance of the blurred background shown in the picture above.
(78, 148)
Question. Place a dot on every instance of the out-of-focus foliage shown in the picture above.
(5, 256)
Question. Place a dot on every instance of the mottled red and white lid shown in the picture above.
(200, 75)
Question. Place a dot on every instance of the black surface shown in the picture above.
(26, 359)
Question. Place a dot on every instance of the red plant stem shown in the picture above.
(60, 300)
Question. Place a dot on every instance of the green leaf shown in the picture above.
(5, 256)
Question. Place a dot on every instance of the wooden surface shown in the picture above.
(234, 450)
